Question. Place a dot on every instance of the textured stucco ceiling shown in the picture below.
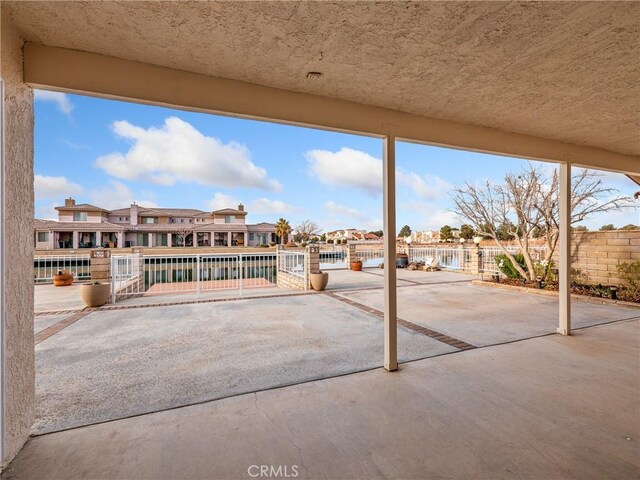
(568, 71)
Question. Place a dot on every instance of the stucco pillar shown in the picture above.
(169, 240)
(351, 255)
(389, 216)
(98, 239)
(564, 246)
(229, 239)
(100, 265)
(313, 263)
(120, 239)
(151, 239)
(76, 241)
(16, 219)
(475, 259)
(51, 240)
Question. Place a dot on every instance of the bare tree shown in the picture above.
(307, 229)
(588, 197)
(527, 204)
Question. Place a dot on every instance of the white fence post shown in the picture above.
(240, 273)
(198, 275)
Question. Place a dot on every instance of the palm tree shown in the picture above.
(283, 229)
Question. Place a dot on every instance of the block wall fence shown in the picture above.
(596, 254)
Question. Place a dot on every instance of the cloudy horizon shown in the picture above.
(111, 153)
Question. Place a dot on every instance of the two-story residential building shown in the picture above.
(88, 226)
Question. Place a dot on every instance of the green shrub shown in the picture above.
(507, 268)
(629, 273)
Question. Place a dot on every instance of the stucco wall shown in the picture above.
(18, 182)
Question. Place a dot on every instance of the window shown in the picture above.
(182, 220)
(149, 220)
(161, 239)
(229, 218)
(119, 219)
(43, 237)
(79, 216)
(143, 240)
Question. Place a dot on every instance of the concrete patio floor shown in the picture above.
(113, 364)
(109, 364)
(550, 407)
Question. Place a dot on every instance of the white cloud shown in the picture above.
(178, 152)
(431, 216)
(427, 187)
(220, 201)
(357, 169)
(117, 195)
(335, 210)
(47, 212)
(60, 99)
(267, 206)
(347, 168)
(341, 216)
(54, 187)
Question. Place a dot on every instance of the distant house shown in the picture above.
(425, 236)
(86, 226)
(346, 234)
(365, 236)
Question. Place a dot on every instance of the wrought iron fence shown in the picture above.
(46, 266)
(134, 275)
(292, 263)
(333, 258)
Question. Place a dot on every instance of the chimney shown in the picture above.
(241, 207)
(69, 202)
(133, 219)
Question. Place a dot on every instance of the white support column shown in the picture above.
(389, 215)
(151, 240)
(120, 239)
(229, 239)
(76, 242)
(169, 244)
(564, 269)
(98, 240)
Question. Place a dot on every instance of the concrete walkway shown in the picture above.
(546, 408)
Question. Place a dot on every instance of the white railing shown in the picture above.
(333, 258)
(134, 275)
(489, 254)
(371, 257)
(46, 266)
(293, 263)
(449, 258)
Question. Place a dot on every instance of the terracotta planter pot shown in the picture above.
(356, 266)
(319, 281)
(95, 294)
(62, 279)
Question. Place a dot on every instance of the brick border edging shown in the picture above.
(441, 337)
(551, 293)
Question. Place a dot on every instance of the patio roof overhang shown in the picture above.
(536, 81)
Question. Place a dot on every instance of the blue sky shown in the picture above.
(111, 153)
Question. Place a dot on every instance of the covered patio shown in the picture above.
(497, 412)
(554, 82)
